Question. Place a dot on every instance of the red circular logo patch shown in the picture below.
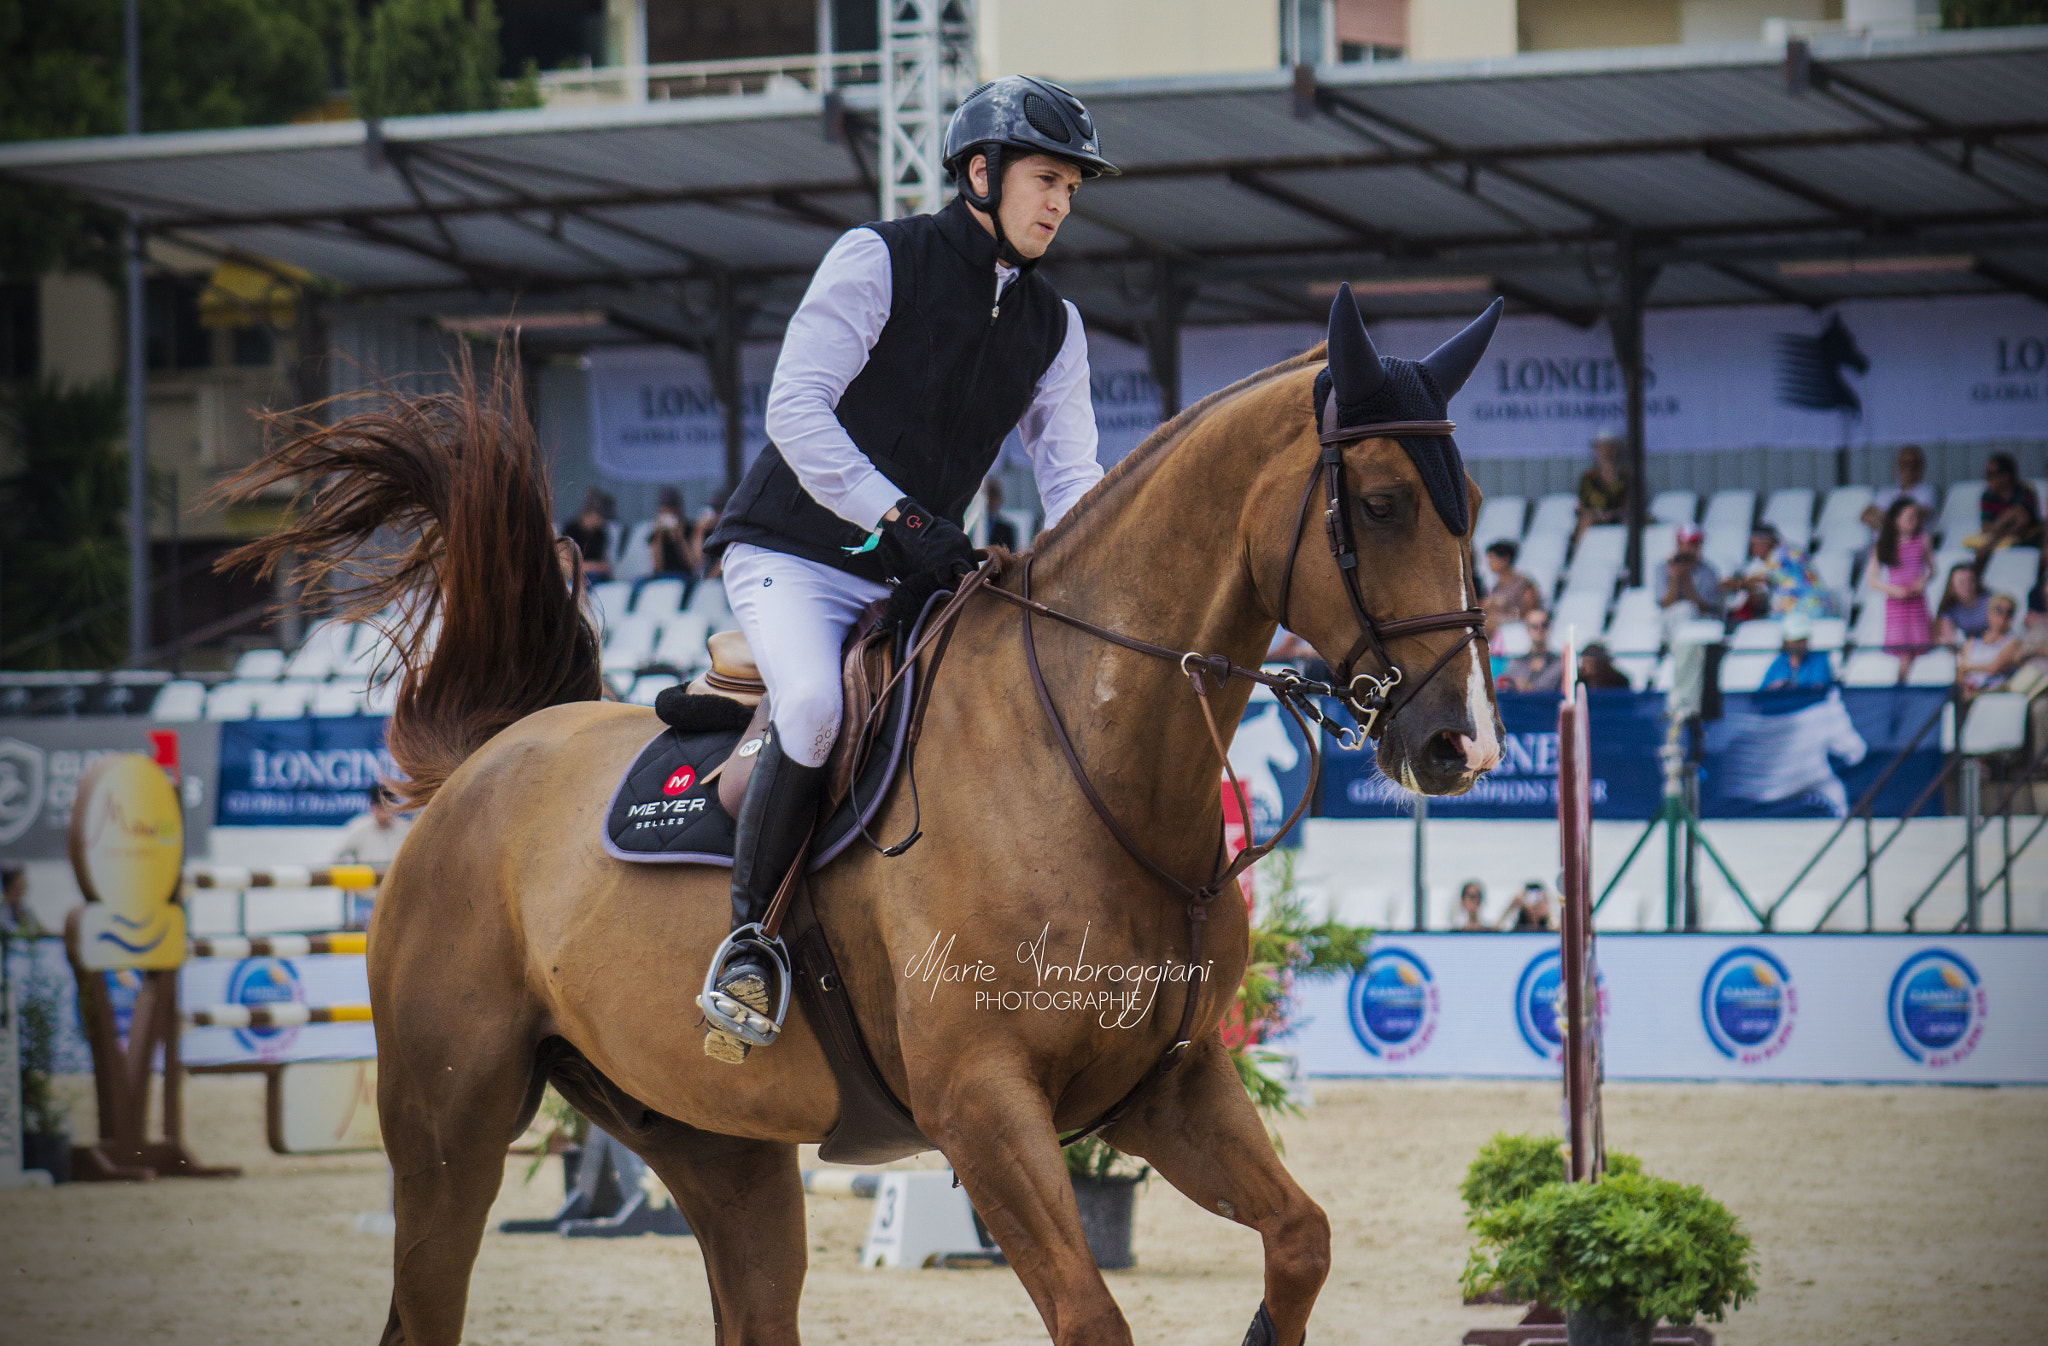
(683, 779)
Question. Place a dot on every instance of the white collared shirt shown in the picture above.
(827, 344)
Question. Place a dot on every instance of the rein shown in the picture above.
(1371, 707)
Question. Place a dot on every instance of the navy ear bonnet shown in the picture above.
(1410, 394)
(1373, 389)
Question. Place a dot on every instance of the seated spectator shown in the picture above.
(2007, 513)
(17, 921)
(373, 838)
(1509, 593)
(1530, 910)
(1985, 662)
(1001, 532)
(1776, 581)
(1965, 607)
(592, 535)
(677, 552)
(1796, 664)
(1603, 487)
(1471, 898)
(1910, 472)
(711, 563)
(1686, 584)
(1596, 668)
(1539, 670)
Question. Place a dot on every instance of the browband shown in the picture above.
(1345, 434)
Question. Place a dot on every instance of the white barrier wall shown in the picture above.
(1891, 1009)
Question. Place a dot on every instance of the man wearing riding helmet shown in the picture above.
(919, 346)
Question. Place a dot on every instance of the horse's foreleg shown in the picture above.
(744, 1200)
(1197, 1127)
(999, 1135)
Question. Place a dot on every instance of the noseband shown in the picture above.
(1370, 699)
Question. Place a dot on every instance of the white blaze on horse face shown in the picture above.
(1482, 751)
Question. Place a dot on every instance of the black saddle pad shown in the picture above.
(663, 811)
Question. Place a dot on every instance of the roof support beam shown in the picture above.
(1998, 273)
(1385, 240)
(1765, 285)
(1577, 316)
(1863, 217)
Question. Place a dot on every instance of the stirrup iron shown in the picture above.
(728, 1015)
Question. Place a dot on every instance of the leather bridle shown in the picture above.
(1369, 698)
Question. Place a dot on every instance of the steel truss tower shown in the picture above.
(929, 64)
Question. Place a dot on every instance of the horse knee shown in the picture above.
(1298, 1247)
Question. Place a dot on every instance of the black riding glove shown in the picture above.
(918, 543)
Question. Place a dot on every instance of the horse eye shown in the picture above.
(1378, 506)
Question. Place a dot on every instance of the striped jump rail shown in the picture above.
(274, 1016)
(285, 876)
(277, 946)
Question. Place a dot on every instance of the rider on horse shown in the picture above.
(919, 346)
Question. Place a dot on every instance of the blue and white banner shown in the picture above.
(1627, 728)
(1900, 1009)
(317, 979)
(1813, 754)
(654, 416)
(1271, 759)
(309, 772)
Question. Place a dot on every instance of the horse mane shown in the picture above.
(1140, 461)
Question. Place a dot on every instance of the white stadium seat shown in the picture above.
(1499, 519)
(1759, 635)
(1790, 511)
(1594, 577)
(179, 702)
(1698, 631)
(323, 652)
(1868, 632)
(2013, 571)
(1732, 510)
(284, 700)
(381, 698)
(1674, 507)
(1604, 545)
(709, 598)
(1636, 605)
(232, 700)
(1996, 722)
(610, 601)
(1935, 668)
(1587, 611)
(659, 598)
(682, 642)
(1634, 637)
(337, 698)
(1726, 549)
(1743, 670)
(635, 559)
(1844, 506)
(647, 688)
(629, 644)
(259, 665)
(1513, 639)
(1556, 515)
(1660, 540)
(1870, 668)
(1959, 517)
(1835, 568)
(1542, 559)
(1639, 667)
(1829, 633)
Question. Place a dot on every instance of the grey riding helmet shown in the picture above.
(1030, 116)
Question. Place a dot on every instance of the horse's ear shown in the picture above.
(1355, 370)
(1453, 362)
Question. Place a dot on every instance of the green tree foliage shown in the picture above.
(1629, 1247)
(61, 523)
(1510, 1168)
(424, 56)
(1992, 13)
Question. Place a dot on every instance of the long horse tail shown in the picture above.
(437, 506)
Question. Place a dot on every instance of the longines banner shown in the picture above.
(653, 416)
(1893, 1009)
(42, 762)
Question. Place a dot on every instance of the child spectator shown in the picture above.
(1899, 570)
(1965, 608)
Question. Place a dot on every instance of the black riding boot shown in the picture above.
(776, 818)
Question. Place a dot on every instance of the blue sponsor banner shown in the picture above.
(310, 772)
(1627, 729)
(1812, 754)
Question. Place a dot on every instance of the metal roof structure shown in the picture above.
(1811, 172)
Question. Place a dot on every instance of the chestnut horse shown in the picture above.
(508, 950)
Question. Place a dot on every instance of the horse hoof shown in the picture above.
(1262, 1332)
(725, 1047)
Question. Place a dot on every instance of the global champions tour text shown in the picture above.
(1113, 1007)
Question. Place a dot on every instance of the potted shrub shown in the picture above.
(1285, 945)
(1509, 1168)
(1616, 1255)
(45, 1118)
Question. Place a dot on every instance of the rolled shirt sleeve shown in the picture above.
(827, 344)
(1058, 428)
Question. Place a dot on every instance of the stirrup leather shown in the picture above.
(730, 1016)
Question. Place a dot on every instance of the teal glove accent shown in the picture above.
(874, 541)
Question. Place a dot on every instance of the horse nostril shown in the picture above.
(1445, 751)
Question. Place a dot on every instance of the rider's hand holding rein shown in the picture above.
(917, 543)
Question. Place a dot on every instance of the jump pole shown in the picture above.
(1585, 1137)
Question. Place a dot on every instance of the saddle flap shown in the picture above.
(870, 662)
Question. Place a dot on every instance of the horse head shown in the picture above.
(1396, 548)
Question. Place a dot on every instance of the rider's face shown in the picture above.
(1038, 191)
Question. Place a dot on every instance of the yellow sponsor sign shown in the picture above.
(127, 849)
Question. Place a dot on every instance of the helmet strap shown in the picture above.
(990, 203)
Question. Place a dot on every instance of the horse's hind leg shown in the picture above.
(450, 1102)
(1197, 1127)
(744, 1200)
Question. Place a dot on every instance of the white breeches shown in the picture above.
(795, 615)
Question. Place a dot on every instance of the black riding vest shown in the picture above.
(949, 377)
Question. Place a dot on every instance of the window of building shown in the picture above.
(173, 337)
(250, 346)
(20, 330)
(553, 34)
(724, 30)
(1307, 32)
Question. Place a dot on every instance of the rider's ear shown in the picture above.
(1453, 362)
